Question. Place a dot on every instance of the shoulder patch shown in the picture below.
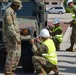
(8, 17)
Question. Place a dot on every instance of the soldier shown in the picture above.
(73, 25)
(45, 58)
(11, 37)
(56, 33)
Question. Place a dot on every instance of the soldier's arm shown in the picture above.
(34, 48)
(59, 31)
(43, 49)
(10, 26)
(67, 22)
(74, 12)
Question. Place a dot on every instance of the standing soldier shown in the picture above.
(56, 33)
(73, 25)
(45, 58)
(12, 38)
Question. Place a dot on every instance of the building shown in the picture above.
(52, 3)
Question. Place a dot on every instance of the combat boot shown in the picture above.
(7, 73)
(42, 72)
(12, 73)
(56, 73)
(69, 49)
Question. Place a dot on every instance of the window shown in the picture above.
(58, 7)
(51, 8)
(46, 3)
(54, 3)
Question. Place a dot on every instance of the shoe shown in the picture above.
(57, 48)
(56, 73)
(69, 49)
(7, 73)
(12, 73)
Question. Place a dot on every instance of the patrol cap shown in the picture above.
(44, 33)
(69, 1)
(17, 2)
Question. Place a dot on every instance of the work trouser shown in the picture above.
(13, 56)
(41, 62)
(57, 43)
(73, 36)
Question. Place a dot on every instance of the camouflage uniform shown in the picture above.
(11, 35)
(73, 34)
(41, 62)
(55, 33)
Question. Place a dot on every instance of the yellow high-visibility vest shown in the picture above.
(73, 13)
(58, 36)
(51, 54)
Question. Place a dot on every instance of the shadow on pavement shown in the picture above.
(68, 69)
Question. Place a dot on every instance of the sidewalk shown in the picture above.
(66, 60)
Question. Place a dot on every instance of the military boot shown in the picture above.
(69, 49)
(12, 73)
(56, 73)
(42, 72)
(7, 73)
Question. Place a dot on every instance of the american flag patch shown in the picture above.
(8, 17)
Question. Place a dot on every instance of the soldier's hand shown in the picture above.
(38, 40)
(32, 41)
(66, 22)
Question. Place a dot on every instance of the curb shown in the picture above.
(67, 34)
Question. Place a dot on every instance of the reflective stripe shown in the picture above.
(61, 38)
(73, 14)
(49, 54)
(53, 58)
(59, 35)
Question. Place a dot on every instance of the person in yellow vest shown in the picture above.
(73, 25)
(45, 57)
(56, 33)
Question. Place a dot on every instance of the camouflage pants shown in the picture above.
(73, 35)
(41, 62)
(57, 43)
(13, 56)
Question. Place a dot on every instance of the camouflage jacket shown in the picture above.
(10, 26)
(43, 49)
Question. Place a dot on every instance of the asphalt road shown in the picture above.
(63, 17)
(66, 60)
